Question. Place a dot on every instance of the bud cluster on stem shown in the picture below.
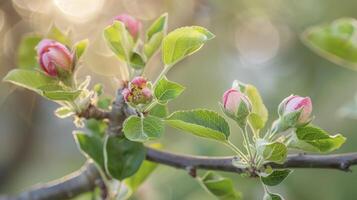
(138, 91)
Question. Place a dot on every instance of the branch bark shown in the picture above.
(87, 178)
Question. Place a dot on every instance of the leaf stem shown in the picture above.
(151, 105)
(163, 73)
(236, 150)
(247, 143)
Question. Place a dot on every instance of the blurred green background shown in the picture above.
(257, 42)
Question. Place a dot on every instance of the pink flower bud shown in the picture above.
(295, 103)
(231, 100)
(132, 25)
(52, 54)
(138, 92)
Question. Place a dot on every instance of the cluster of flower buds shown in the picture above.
(132, 25)
(138, 91)
(54, 57)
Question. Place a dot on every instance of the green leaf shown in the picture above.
(142, 129)
(58, 93)
(26, 52)
(259, 114)
(272, 196)
(136, 61)
(80, 47)
(276, 177)
(29, 79)
(159, 110)
(59, 36)
(221, 187)
(64, 112)
(154, 35)
(275, 151)
(183, 42)
(166, 90)
(123, 157)
(97, 127)
(140, 176)
(104, 103)
(313, 138)
(91, 146)
(335, 42)
(119, 40)
(200, 122)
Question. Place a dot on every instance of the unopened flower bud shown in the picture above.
(132, 25)
(232, 99)
(296, 103)
(53, 55)
(138, 92)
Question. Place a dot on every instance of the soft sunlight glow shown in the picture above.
(80, 10)
(257, 40)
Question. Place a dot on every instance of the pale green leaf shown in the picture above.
(26, 53)
(259, 112)
(183, 42)
(154, 35)
(166, 90)
(142, 129)
(220, 187)
(64, 112)
(200, 122)
(29, 79)
(80, 47)
(119, 40)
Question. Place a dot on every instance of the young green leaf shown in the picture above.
(97, 127)
(166, 90)
(80, 47)
(275, 152)
(159, 110)
(136, 61)
(272, 196)
(200, 122)
(58, 93)
(29, 79)
(91, 146)
(142, 129)
(221, 187)
(183, 42)
(59, 36)
(276, 177)
(119, 40)
(154, 35)
(64, 112)
(334, 42)
(26, 53)
(259, 114)
(313, 138)
(123, 157)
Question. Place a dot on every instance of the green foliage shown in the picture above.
(259, 114)
(166, 90)
(142, 129)
(119, 40)
(136, 61)
(91, 146)
(80, 47)
(183, 42)
(334, 41)
(63, 112)
(122, 157)
(313, 138)
(159, 110)
(275, 152)
(276, 177)
(59, 93)
(26, 53)
(272, 196)
(154, 35)
(221, 187)
(29, 79)
(200, 122)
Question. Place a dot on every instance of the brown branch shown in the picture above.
(85, 179)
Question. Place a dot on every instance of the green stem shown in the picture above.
(247, 143)
(151, 105)
(236, 150)
(163, 73)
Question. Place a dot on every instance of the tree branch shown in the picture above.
(85, 179)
